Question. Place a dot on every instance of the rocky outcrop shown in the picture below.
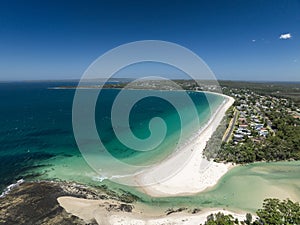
(35, 203)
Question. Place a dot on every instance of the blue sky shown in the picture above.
(238, 39)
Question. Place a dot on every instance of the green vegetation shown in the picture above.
(285, 145)
(220, 219)
(275, 105)
(213, 145)
(268, 125)
(274, 212)
(277, 89)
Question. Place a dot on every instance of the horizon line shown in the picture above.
(128, 78)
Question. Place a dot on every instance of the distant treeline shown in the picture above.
(290, 90)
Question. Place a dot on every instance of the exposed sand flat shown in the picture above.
(94, 210)
(175, 219)
(197, 174)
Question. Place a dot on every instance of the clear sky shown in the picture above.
(238, 39)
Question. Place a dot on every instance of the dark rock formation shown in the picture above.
(35, 203)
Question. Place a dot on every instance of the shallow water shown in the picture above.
(37, 138)
(37, 142)
(243, 188)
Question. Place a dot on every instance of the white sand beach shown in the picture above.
(197, 174)
(96, 210)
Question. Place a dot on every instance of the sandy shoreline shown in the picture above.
(97, 210)
(197, 174)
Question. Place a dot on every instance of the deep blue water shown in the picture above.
(34, 122)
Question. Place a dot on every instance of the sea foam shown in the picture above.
(10, 187)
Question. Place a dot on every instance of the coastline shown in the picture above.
(49, 202)
(103, 212)
(191, 178)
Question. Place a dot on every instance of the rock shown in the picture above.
(126, 208)
(122, 207)
(194, 211)
(171, 210)
(35, 203)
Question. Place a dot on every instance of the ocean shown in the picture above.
(37, 143)
(37, 140)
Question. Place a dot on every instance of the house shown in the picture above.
(259, 126)
(238, 137)
(256, 120)
(243, 126)
(242, 120)
(243, 131)
(263, 132)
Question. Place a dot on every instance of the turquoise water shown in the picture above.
(143, 112)
(241, 189)
(37, 142)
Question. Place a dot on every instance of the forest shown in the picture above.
(273, 212)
